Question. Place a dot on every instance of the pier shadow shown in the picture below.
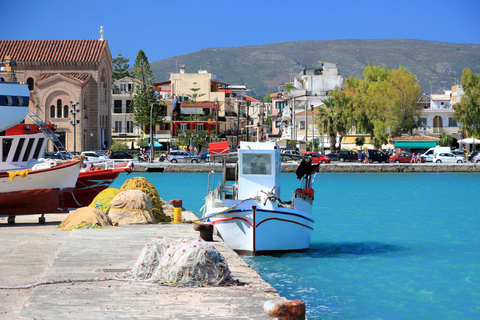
(329, 250)
(332, 250)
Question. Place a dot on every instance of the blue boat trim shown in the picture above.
(270, 211)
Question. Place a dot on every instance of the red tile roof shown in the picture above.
(248, 98)
(59, 51)
(82, 77)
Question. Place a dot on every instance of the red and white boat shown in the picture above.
(246, 209)
(93, 181)
(28, 186)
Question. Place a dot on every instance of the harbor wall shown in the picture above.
(291, 167)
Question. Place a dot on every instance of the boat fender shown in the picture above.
(50, 162)
(308, 192)
(205, 229)
(299, 191)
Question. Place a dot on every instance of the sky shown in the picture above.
(169, 28)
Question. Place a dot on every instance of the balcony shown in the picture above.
(124, 92)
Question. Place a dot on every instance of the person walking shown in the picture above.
(366, 157)
(413, 158)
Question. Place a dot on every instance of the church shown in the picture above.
(70, 86)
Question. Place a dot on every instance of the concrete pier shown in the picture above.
(32, 253)
(332, 167)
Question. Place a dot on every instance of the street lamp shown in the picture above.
(91, 135)
(313, 131)
(74, 123)
(216, 119)
(151, 135)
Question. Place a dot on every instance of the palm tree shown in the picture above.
(331, 116)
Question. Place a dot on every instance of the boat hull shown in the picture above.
(39, 191)
(263, 230)
(89, 184)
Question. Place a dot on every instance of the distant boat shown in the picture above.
(246, 209)
(14, 99)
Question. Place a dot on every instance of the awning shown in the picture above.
(156, 144)
(469, 141)
(415, 144)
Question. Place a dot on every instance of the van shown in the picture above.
(430, 153)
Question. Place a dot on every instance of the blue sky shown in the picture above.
(168, 28)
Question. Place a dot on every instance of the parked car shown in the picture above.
(120, 155)
(430, 153)
(472, 155)
(175, 155)
(405, 157)
(447, 157)
(347, 156)
(459, 153)
(290, 155)
(333, 156)
(51, 155)
(377, 155)
(94, 156)
(316, 158)
(476, 157)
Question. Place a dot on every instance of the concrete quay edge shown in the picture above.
(32, 253)
(332, 167)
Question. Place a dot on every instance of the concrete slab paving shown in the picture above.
(32, 253)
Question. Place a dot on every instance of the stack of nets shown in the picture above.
(185, 262)
(142, 184)
(86, 217)
(102, 200)
(131, 207)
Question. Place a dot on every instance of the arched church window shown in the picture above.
(59, 108)
(30, 83)
(65, 111)
(52, 111)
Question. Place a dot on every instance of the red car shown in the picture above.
(404, 157)
(316, 158)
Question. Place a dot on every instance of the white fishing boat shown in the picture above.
(27, 185)
(246, 209)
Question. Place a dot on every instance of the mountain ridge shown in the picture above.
(263, 68)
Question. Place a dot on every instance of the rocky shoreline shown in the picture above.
(335, 167)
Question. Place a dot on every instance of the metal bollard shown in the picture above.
(205, 229)
(285, 309)
(177, 210)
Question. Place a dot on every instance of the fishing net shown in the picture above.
(86, 217)
(187, 261)
(102, 200)
(131, 207)
(140, 183)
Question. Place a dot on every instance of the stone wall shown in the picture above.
(390, 167)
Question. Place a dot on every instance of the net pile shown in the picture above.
(102, 200)
(86, 217)
(142, 184)
(131, 207)
(185, 262)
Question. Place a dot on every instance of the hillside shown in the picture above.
(263, 68)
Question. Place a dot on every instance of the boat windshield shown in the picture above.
(257, 163)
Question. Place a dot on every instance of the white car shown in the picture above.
(94, 156)
(447, 157)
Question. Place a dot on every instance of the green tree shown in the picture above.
(383, 104)
(467, 111)
(445, 139)
(146, 106)
(267, 98)
(120, 68)
(331, 115)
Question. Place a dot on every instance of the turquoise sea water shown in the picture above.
(385, 246)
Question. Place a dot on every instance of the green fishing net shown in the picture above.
(142, 184)
(102, 200)
(187, 261)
